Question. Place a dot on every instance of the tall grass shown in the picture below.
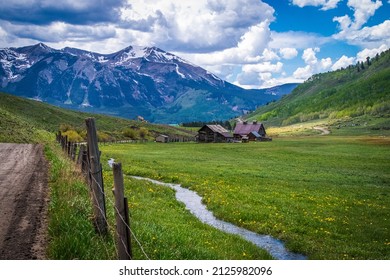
(71, 231)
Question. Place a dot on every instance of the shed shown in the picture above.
(214, 133)
(162, 138)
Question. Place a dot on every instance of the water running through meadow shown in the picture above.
(194, 204)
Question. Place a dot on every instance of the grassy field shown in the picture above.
(327, 197)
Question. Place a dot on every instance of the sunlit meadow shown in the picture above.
(326, 197)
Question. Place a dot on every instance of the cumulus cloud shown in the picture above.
(202, 25)
(325, 63)
(313, 64)
(288, 53)
(303, 73)
(251, 48)
(362, 55)
(363, 10)
(324, 4)
(368, 37)
(343, 62)
(263, 67)
(309, 56)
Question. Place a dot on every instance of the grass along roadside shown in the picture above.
(71, 232)
(327, 197)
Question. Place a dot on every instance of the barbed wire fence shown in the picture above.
(88, 159)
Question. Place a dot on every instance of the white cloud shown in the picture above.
(368, 37)
(362, 55)
(269, 55)
(324, 4)
(313, 65)
(200, 25)
(363, 10)
(303, 73)
(325, 63)
(263, 67)
(296, 39)
(288, 53)
(250, 49)
(343, 62)
(309, 56)
(344, 21)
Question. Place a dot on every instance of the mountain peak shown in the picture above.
(136, 80)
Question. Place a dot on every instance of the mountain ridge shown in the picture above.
(147, 81)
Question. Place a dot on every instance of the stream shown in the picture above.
(194, 204)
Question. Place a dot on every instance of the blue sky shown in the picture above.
(251, 43)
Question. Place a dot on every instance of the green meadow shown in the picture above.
(327, 197)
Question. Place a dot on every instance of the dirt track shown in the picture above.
(23, 202)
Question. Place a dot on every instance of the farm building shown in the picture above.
(252, 131)
(162, 138)
(214, 133)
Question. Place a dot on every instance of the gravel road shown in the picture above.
(23, 202)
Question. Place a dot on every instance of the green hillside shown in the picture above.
(23, 120)
(357, 91)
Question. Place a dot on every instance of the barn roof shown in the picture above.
(256, 134)
(216, 128)
(246, 128)
(163, 135)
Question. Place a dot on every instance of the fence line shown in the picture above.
(88, 159)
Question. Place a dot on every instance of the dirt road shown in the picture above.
(324, 131)
(23, 202)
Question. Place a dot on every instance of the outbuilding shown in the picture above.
(162, 138)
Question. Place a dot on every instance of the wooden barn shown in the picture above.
(252, 131)
(214, 133)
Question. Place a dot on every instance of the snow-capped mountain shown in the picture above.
(147, 81)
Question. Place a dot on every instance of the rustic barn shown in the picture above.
(162, 138)
(214, 133)
(253, 131)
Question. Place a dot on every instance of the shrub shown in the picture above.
(73, 136)
(130, 133)
(143, 132)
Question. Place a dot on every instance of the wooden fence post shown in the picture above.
(121, 215)
(96, 178)
(74, 151)
(79, 157)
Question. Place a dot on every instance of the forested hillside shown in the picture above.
(361, 89)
